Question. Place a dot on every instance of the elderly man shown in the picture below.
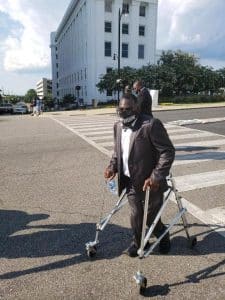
(143, 155)
(144, 99)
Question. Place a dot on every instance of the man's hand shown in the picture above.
(154, 186)
(109, 174)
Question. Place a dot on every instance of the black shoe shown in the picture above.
(164, 244)
(131, 250)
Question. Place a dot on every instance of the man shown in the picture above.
(144, 98)
(143, 155)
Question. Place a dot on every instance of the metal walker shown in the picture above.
(141, 281)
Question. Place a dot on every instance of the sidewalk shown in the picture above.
(112, 110)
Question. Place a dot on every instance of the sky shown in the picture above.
(194, 26)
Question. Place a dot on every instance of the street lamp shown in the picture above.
(124, 11)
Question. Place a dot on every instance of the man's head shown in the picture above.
(128, 110)
(137, 86)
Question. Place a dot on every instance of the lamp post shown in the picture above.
(121, 12)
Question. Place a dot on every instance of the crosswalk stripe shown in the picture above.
(200, 180)
(90, 134)
(191, 135)
(208, 143)
(92, 129)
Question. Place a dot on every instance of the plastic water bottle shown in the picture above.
(112, 186)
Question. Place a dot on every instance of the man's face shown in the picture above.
(136, 88)
(126, 105)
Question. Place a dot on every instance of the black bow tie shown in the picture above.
(127, 126)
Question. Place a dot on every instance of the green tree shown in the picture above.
(30, 95)
(68, 99)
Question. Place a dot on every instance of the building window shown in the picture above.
(124, 50)
(108, 6)
(108, 70)
(141, 51)
(108, 49)
(125, 28)
(108, 26)
(126, 8)
(141, 30)
(142, 11)
(108, 93)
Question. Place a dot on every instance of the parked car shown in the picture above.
(6, 108)
(20, 108)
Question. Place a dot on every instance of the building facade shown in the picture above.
(85, 45)
(44, 88)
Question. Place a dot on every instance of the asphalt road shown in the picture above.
(187, 114)
(52, 194)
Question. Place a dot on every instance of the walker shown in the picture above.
(141, 281)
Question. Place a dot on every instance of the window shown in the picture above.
(141, 30)
(124, 50)
(108, 6)
(108, 50)
(108, 26)
(142, 11)
(125, 28)
(108, 70)
(141, 51)
(125, 8)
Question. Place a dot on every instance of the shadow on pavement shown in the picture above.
(52, 240)
(194, 148)
(204, 155)
(70, 239)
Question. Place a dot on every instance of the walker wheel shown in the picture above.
(192, 242)
(91, 251)
(143, 285)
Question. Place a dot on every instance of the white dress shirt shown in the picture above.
(125, 144)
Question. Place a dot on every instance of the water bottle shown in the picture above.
(112, 186)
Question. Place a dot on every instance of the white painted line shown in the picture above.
(200, 180)
(93, 129)
(89, 141)
(213, 222)
(99, 133)
(209, 143)
(102, 137)
(93, 125)
(191, 135)
(196, 121)
(180, 130)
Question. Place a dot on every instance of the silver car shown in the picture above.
(20, 108)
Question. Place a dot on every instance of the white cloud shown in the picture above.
(27, 49)
(192, 25)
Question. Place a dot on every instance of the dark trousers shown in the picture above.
(136, 202)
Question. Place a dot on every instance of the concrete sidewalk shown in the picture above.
(112, 110)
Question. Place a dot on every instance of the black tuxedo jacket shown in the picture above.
(151, 153)
(144, 100)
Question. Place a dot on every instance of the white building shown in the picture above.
(86, 41)
(44, 87)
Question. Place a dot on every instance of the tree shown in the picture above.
(68, 99)
(30, 95)
(48, 101)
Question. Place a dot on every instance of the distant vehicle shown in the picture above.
(6, 108)
(20, 108)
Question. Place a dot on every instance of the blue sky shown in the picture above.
(195, 26)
